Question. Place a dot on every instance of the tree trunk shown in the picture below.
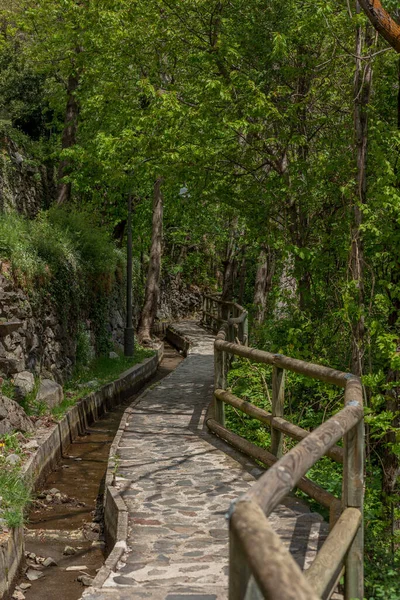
(68, 138)
(229, 263)
(242, 276)
(152, 290)
(263, 283)
(298, 205)
(362, 93)
(390, 459)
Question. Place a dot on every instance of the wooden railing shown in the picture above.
(259, 564)
(217, 312)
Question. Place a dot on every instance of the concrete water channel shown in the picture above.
(67, 511)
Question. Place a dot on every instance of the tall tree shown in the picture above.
(362, 94)
(152, 290)
(68, 137)
(263, 282)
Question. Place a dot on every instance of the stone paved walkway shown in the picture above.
(178, 481)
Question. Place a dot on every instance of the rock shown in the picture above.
(32, 574)
(46, 374)
(90, 384)
(18, 595)
(13, 459)
(54, 491)
(69, 551)
(113, 355)
(85, 580)
(3, 524)
(76, 568)
(50, 392)
(49, 562)
(25, 586)
(12, 416)
(24, 383)
(8, 327)
(32, 445)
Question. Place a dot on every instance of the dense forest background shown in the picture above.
(265, 138)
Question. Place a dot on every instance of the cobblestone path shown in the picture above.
(178, 481)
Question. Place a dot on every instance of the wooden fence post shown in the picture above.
(220, 373)
(278, 399)
(239, 572)
(353, 496)
(219, 306)
(240, 332)
(243, 331)
(242, 585)
(246, 330)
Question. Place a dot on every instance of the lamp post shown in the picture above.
(129, 334)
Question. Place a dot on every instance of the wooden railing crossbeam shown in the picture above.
(293, 431)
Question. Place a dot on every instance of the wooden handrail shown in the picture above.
(295, 365)
(275, 571)
(259, 564)
(236, 322)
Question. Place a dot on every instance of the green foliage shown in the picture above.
(14, 492)
(98, 372)
(59, 244)
(7, 388)
(83, 347)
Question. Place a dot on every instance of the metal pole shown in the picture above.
(129, 334)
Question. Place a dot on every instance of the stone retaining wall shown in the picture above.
(56, 442)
